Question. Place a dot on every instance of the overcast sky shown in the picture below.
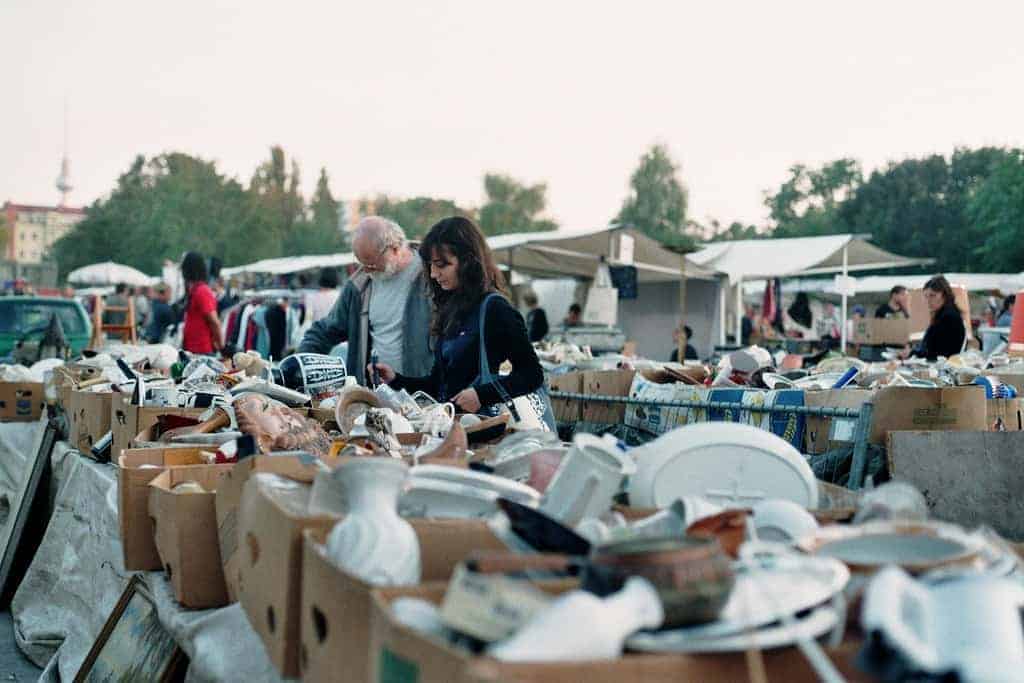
(423, 98)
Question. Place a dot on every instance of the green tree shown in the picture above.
(416, 215)
(807, 202)
(657, 201)
(319, 232)
(996, 209)
(274, 192)
(3, 229)
(161, 208)
(512, 206)
(734, 231)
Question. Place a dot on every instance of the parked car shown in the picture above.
(25, 318)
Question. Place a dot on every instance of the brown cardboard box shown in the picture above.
(881, 331)
(21, 401)
(336, 606)
(133, 500)
(229, 499)
(920, 409)
(1015, 380)
(817, 432)
(607, 383)
(89, 418)
(185, 532)
(128, 420)
(399, 654)
(567, 410)
(267, 567)
(1005, 414)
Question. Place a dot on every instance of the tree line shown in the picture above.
(966, 211)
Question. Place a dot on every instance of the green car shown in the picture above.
(24, 318)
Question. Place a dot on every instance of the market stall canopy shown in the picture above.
(1007, 283)
(110, 273)
(798, 256)
(292, 264)
(563, 253)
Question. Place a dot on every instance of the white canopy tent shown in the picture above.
(744, 260)
(110, 273)
(881, 284)
(292, 264)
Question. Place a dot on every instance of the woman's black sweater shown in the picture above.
(457, 357)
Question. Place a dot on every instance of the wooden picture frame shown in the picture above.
(133, 645)
(11, 532)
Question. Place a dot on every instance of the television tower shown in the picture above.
(64, 179)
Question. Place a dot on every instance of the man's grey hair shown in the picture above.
(385, 233)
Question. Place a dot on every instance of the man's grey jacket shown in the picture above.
(349, 321)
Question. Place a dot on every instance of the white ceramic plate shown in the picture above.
(914, 546)
(794, 584)
(506, 488)
(812, 625)
(724, 462)
(437, 499)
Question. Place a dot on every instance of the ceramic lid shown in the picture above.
(727, 463)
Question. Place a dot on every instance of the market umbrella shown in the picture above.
(109, 273)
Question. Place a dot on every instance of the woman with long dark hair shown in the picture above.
(463, 276)
(946, 333)
(201, 333)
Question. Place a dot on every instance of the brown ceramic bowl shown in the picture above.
(729, 527)
(693, 577)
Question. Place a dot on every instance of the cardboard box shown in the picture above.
(606, 383)
(136, 468)
(128, 420)
(921, 409)
(89, 418)
(399, 654)
(229, 499)
(816, 435)
(1005, 414)
(21, 401)
(881, 331)
(566, 410)
(1015, 380)
(185, 533)
(336, 606)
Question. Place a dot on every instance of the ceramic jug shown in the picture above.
(581, 626)
(372, 541)
(587, 479)
(969, 625)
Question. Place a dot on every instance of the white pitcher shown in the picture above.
(587, 479)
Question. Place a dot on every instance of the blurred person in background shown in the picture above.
(161, 315)
(392, 286)
(690, 353)
(536, 317)
(320, 302)
(142, 311)
(202, 332)
(575, 316)
(856, 315)
(946, 334)
(827, 326)
(898, 305)
(1005, 317)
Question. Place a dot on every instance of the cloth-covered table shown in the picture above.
(78, 575)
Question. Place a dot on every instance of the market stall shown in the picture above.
(744, 260)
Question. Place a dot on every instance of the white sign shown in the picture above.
(627, 247)
(845, 284)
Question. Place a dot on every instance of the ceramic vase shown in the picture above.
(581, 626)
(372, 541)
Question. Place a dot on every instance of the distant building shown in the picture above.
(32, 230)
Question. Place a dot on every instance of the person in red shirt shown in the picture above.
(202, 327)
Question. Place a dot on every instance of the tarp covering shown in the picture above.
(110, 273)
(292, 264)
(563, 253)
(78, 575)
(753, 259)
